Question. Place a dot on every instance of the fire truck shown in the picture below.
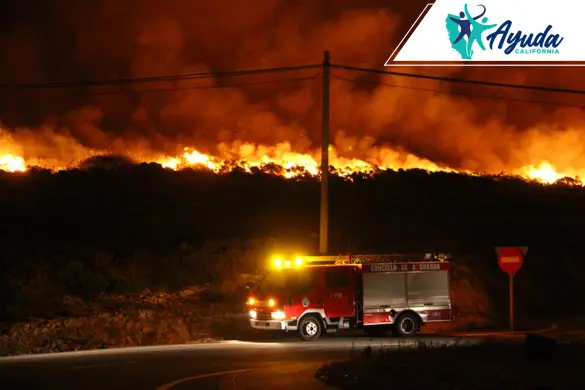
(316, 295)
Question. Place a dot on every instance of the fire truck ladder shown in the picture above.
(374, 259)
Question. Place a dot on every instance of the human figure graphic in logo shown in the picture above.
(464, 30)
(465, 24)
(477, 30)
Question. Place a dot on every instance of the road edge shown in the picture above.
(554, 326)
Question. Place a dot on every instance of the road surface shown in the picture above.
(284, 364)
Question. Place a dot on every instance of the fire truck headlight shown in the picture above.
(251, 301)
(278, 315)
(278, 263)
(298, 261)
(253, 314)
(271, 302)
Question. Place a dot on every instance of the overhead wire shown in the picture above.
(465, 94)
(196, 87)
(218, 75)
(461, 81)
(155, 79)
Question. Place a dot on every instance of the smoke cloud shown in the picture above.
(103, 39)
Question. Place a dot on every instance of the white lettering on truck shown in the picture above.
(384, 268)
(430, 266)
(405, 267)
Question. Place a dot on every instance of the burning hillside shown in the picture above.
(287, 162)
(377, 121)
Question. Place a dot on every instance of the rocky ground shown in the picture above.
(149, 318)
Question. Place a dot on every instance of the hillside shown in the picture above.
(83, 232)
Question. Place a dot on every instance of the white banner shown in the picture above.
(496, 31)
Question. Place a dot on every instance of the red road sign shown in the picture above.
(510, 259)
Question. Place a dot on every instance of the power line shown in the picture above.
(461, 81)
(214, 86)
(457, 93)
(206, 75)
(140, 80)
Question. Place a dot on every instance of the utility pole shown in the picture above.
(323, 238)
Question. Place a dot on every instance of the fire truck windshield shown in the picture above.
(287, 281)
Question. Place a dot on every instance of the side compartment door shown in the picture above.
(339, 292)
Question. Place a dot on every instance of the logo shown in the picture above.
(492, 31)
(465, 30)
(306, 301)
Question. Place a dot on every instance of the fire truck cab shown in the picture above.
(314, 295)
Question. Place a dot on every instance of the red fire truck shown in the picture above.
(378, 293)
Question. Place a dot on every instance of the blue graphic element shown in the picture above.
(478, 29)
(460, 46)
(466, 25)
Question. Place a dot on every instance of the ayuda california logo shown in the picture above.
(466, 30)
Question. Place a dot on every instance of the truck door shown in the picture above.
(339, 292)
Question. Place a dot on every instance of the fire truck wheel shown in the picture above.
(310, 328)
(407, 325)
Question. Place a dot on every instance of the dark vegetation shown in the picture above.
(534, 365)
(121, 228)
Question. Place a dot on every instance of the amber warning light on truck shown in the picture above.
(278, 263)
(252, 302)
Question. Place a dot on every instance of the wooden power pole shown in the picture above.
(324, 221)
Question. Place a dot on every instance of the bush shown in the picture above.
(36, 288)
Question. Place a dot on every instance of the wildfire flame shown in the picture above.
(545, 173)
(10, 163)
(291, 164)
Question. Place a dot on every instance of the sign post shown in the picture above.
(510, 260)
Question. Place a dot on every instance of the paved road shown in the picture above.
(284, 364)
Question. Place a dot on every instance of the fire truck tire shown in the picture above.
(407, 325)
(310, 328)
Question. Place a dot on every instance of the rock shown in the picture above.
(182, 332)
(114, 321)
